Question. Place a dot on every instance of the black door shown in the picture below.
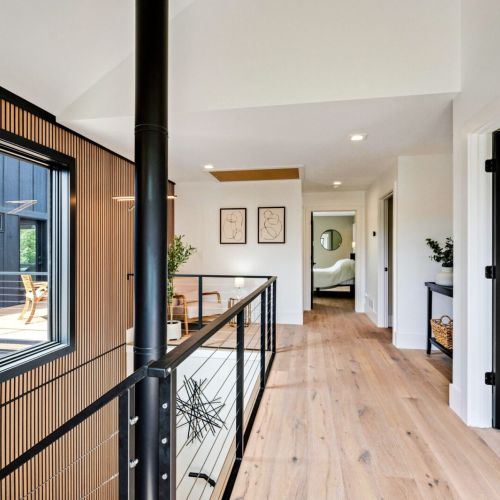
(491, 273)
(312, 260)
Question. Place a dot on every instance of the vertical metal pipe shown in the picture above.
(263, 340)
(274, 316)
(123, 443)
(151, 176)
(200, 302)
(269, 319)
(167, 448)
(240, 353)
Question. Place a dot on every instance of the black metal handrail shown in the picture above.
(175, 357)
(165, 371)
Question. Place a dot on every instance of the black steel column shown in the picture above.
(150, 284)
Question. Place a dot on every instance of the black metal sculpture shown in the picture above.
(200, 414)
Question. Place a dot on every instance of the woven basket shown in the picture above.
(442, 331)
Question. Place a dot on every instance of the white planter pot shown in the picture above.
(445, 276)
(174, 330)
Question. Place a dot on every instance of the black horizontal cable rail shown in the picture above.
(252, 370)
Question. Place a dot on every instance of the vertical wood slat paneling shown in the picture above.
(84, 463)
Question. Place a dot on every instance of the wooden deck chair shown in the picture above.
(35, 292)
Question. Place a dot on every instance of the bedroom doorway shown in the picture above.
(388, 266)
(333, 256)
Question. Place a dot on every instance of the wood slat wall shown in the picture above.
(83, 464)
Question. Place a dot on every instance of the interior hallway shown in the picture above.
(347, 415)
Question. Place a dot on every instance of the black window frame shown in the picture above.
(62, 284)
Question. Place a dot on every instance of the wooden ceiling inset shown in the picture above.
(261, 174)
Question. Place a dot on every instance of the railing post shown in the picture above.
(167, 437)
(274, 316)
(263, 339)
(240, 353)
(269, 318)
(124, 471)
(200, 302)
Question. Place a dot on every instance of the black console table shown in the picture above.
(431, 341)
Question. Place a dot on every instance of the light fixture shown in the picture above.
(337, 183)
(357, 137)
(208, 167)
(124, 198)
(239, 283)
(132, 198)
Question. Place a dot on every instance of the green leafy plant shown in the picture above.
(442, 254)
(178, 254)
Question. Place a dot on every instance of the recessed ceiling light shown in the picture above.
(337, 183)
(357, 137)
(208, 167)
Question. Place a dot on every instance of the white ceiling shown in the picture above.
(253, 83)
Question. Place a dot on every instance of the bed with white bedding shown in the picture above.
(340, 274)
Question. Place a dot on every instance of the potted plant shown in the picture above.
(178, 254)
(443, 255)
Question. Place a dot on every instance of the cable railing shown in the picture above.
(210, 387)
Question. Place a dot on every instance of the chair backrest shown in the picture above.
(27, 282)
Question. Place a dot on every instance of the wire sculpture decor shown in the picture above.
(199, 413)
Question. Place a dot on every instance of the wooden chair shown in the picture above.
(35, 292)
(186, 308)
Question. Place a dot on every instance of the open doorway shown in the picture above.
(388, 281)
(333, 256)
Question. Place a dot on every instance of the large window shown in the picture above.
(36, 285)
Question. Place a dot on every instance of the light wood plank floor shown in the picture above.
(347, 415)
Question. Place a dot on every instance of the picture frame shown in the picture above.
(271, 226)
(233, 226)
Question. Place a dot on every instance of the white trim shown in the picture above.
(478, 343)
(372, 316)
(411, 341)
(383, 282)
(335, 205)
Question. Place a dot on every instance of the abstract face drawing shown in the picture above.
(271, 226)
(232, 226)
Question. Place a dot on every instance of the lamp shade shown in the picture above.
(239, 282)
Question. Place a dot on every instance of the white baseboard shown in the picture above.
(372, 316)
(455, 401)
(289, 318)
(411, 341)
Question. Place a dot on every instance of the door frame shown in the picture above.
(320, 202)
(311, 274)
(470, 397)
(383, 309)
(383, 284)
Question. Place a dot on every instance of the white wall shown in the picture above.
(423, 209)
(476, 113)
(336, 201)
(422, 187)
(383, 186)
(197, 217)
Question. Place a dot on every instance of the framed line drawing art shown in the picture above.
(271, 225)
(233, 226)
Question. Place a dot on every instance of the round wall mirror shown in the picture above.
(331, 239)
